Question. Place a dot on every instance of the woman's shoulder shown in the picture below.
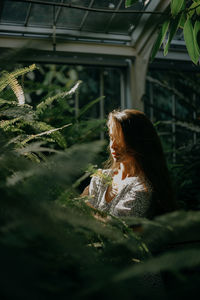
(139, 184)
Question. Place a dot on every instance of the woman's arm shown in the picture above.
(86, 193)
(96, 215)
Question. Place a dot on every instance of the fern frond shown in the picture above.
(17, 89)
(5, 124)
(7, 78)
(58, 137)
(22, 71)
(25, 112)
(3, 101)
(36, 147)
(43, 105)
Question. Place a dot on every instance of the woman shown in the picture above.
(140, 183)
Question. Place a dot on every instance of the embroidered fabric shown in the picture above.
(132, 198)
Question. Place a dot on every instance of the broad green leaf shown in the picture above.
(129, 3)
(176, 6)
(174, 24)
(198, 9)
(182, 20)
(168, 261)
(189, 40)
(160, 39)
(196, 33)
(195, 7)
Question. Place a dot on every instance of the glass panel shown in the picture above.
(166, 136)
(183, 87)
(70, 18)
(89, 89)
(162, 100)
(96, 22)
(41, 15)
(78, 2)
(99, 22)
(112, 4)
(183, 137)
(139, 5)
(14, 12)
(122, 23)
(111, 90)
(182, 111)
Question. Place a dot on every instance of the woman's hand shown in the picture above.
(95, 215)
(85, 192)
(111, 192)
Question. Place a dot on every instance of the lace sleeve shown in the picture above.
(134, 201)
(93, 190)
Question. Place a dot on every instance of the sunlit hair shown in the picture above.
(143, 145)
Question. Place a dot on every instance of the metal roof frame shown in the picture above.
(131, 38)
(128, 48)
(59, 34)
(105, 35)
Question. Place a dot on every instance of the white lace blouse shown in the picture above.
(131, 200)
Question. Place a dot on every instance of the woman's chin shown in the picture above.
(117, 158)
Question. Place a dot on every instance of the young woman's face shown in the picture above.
(117, 143)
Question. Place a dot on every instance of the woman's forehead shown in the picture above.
(115, 128)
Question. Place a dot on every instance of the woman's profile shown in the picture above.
(140, 184)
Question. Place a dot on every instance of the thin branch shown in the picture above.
(181, 96)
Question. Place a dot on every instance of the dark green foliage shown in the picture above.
(187, 177)
(52, 247)
(21, 121)
(129, 3)
(184, 15)
(44, 245)
(57, 249)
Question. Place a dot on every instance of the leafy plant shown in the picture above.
(26, 123)
(186, 177)
(62, 247)
(20, 120)
(183, 15)
(52, 245)
(52, 248)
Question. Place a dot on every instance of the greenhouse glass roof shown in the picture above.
(75, 25)
(85, 20)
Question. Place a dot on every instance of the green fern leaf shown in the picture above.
(47, 130)
(7, 78)
(43, 105)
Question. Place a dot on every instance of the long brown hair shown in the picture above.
(144, 145)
